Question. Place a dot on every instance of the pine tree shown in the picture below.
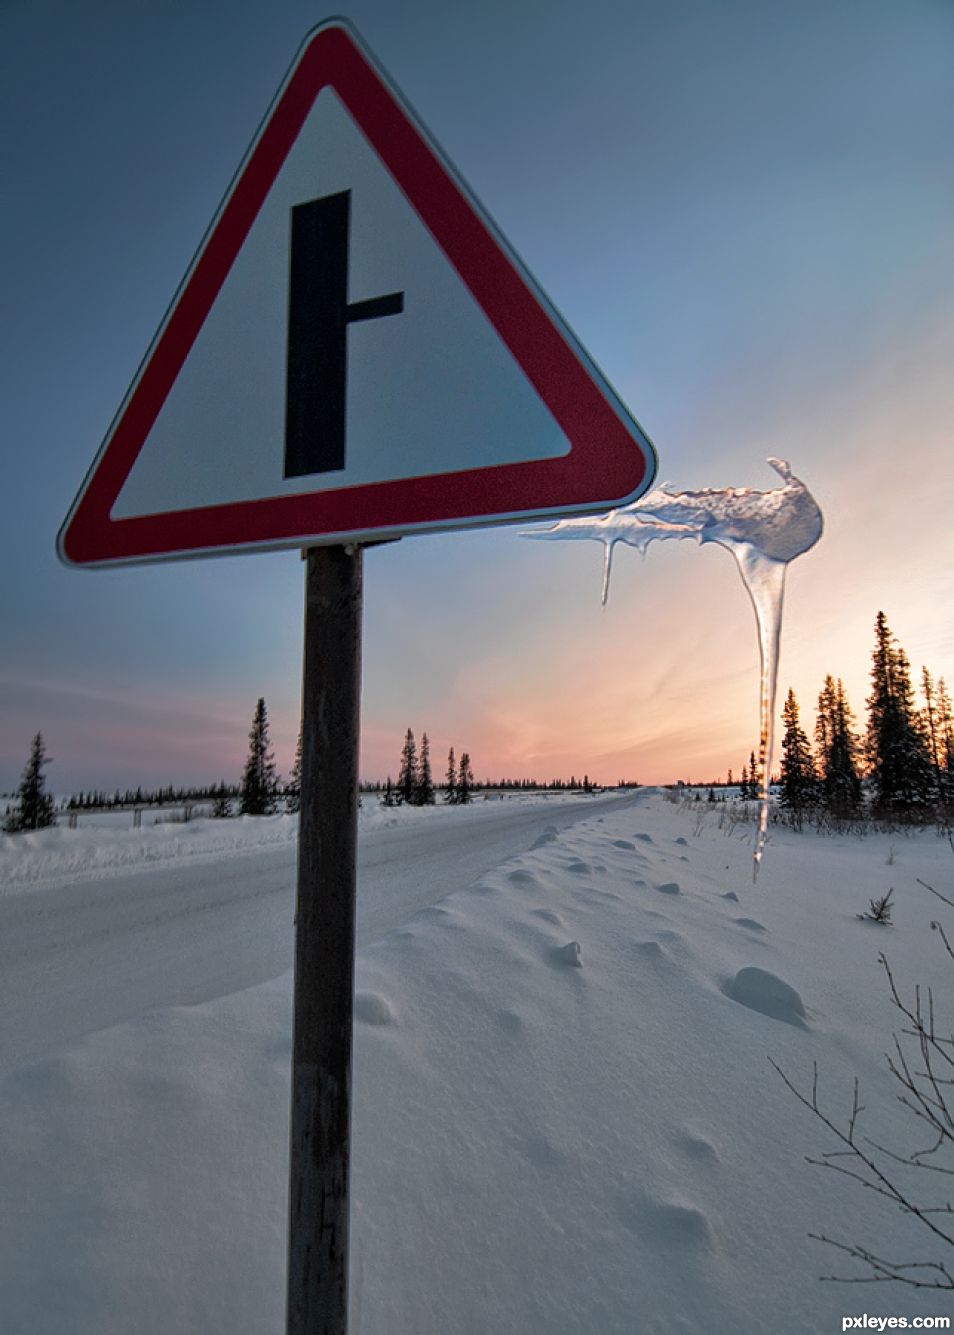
(842, 778)
(34, 809)
(465, 779)
(825, 725)
(424, 792)
(930, 731)
(293, 787)
(450, 778)
(935, 720)
(944, 722)
(222, 806)
(898, 759)
(837, 750)
(407, 775)
(798, 766)
(753, 776)
(260, 782)
(748, 784)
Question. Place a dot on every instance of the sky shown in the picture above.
(743, 212)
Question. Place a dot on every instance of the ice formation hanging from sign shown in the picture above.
(764, 531)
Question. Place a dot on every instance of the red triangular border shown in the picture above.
(610, 461)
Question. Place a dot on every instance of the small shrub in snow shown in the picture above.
(879, 910)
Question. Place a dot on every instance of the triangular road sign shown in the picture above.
(354, 353)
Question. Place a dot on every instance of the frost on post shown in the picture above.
(764, 531)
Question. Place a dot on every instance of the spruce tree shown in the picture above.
(798, 766)
(944, 722)
(222, 806)
(407, 776)
(837, 750)
(744, 784)
(843, 780)
(450, 778)
(937, 732)
(34, 809)
(424, 794)
(930, 731)
(898, 759)
(465, 779)
(293, 787)
(260, 782)
(753, 776)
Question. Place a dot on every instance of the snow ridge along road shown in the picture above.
(82, 955)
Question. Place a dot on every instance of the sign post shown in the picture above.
(324, 946)
(355, 354)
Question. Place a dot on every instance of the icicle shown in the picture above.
(607, 568)
(764, 580)
(764, 531)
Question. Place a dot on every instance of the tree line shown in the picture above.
(903, 763)
(260, 791)
(257, 793)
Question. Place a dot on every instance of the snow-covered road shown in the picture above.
(77, 956)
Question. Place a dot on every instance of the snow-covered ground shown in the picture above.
(107, 843)
(549, 1137)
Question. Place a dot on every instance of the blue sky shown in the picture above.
(743, 211)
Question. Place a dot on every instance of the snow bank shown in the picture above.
(564, 1116)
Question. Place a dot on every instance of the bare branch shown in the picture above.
(885, 1271)
(935, 892)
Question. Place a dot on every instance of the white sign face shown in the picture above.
(409, 376)
(354, 352)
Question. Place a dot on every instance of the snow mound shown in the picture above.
(548, 916)
(697, 1147)
(752, 924)
(670, 888)
(372, 1008)
(511, 1022)
(437, 914)
(540, 1150)
(765, 992)
(667, 1224)
(624, 843)
(569, 954)
(650, 950)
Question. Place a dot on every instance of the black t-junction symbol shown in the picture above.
(318, 317)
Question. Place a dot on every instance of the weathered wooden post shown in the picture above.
(324, 946)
